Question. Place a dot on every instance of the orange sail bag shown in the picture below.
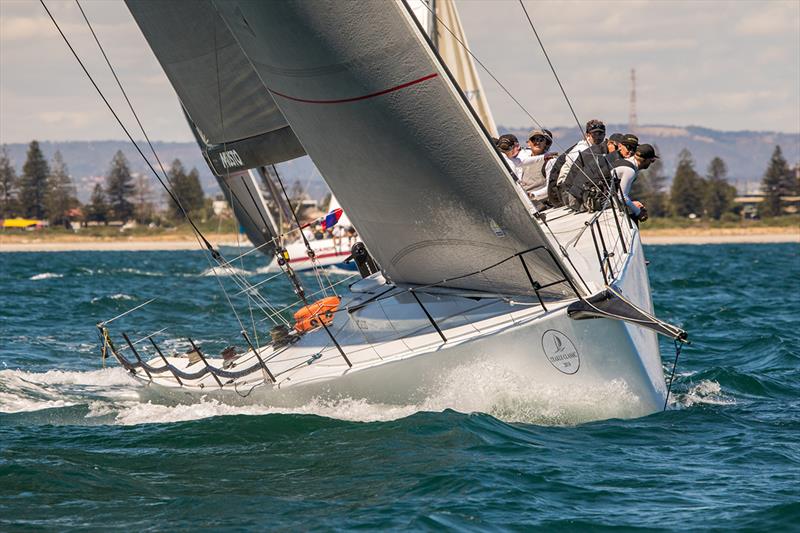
(315, 314)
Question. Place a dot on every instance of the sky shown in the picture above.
(728, 65)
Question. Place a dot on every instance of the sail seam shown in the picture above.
(356, 98)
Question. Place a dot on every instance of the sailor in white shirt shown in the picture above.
(536, 162)
(508, 145)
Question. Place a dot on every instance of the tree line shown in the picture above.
(45, 191)
(711, 196)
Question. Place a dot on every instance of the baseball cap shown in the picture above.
(543, 133)
(630, 140)
(646, 151)
(594, 125)
(616, 137)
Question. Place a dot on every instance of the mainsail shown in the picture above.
(398, 145)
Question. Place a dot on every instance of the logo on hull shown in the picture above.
(560, 351)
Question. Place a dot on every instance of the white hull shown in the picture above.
(399, 358)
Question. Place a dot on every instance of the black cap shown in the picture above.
(616, 137)
(630, 140)
(595, 125)
(645, 151)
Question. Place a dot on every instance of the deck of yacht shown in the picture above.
(379, 323)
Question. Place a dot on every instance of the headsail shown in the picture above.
(384, 123)
(245, 195)
(236, 118)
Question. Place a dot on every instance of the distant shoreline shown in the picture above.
(69, 243)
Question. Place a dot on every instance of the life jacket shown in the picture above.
(622, 162)
(591, 170)
(553, 196)
(533, 177)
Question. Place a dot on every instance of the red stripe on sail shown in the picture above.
(356, 98)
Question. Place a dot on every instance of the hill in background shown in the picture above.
(745, 152)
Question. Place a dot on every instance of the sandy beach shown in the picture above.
(72, 243)
(722, 235)
(66, 243)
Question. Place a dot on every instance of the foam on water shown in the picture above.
(45, 275)
(22, 391)
(479, 387)
(706, 392)
(230, 271)
(118, 296)
(139, 272)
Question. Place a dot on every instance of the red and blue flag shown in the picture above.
(331, 219)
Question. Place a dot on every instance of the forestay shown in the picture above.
(398, 145)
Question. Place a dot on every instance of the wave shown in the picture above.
(139, 272)
(474, 388)
(706, 392)
(118, 296)
(45, 275)
(230, 271)
(22, 391)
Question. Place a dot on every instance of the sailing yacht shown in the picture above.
(459, 272)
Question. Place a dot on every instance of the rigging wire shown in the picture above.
(122, 89)
(510, 95)
(311, 254)
(127, 133)
(610, 193)
(678, 348)
(222, 123)
(198, 234)
(553, 68)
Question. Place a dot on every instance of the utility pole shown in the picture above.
(633, 121)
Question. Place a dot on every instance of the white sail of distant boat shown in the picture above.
(469, 275)
(439, 18)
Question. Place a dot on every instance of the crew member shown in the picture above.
(626, 171)
(536, 161)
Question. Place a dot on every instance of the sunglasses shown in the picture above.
(539, 139)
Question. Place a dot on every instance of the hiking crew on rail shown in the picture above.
(583, 177)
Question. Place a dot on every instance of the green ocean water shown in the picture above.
(87, 448)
